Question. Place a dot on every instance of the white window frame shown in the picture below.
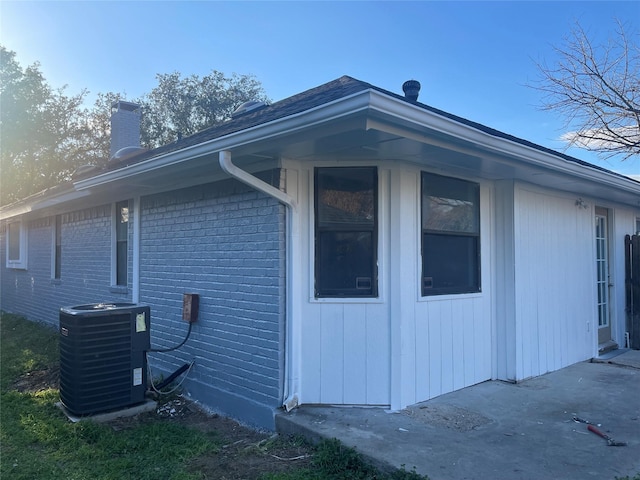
(20, 262)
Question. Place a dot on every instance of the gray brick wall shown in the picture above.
(222, 241)
(226, 243)
(85, 271)
(125, 126)
(29, 291)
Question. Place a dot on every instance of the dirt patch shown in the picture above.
(38, 380)
(245, 453)
(449, 416)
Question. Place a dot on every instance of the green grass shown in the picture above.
(38, 442)
(332, 460)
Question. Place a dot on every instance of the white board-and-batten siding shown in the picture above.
(399, 348)
(554, 306)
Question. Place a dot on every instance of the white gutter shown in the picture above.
(419, 116)
(22, 207)
(283, 126)
(290, 386)
(404, 112)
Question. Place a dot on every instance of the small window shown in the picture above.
(638, 226)
(57, 253)
(16, 245)
(122, 242)
(346, 232)
(450, 235)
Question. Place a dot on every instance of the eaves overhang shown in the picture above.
(266, 132)
(42, 201)
(430, 127)
(368, 109)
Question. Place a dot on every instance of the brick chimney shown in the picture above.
(125, 126)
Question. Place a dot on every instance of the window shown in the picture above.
(346, 235)
(450, 235)
(122, 242)
(57, 254)
(16, 245)
(638, 226)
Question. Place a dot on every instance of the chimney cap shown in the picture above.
(411, 89)
(120, 105)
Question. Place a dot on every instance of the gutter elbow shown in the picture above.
(224, 159)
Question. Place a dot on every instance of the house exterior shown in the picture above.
(350, 246)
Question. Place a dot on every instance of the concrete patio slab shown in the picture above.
(498, 430)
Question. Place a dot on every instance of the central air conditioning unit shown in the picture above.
(102, 356)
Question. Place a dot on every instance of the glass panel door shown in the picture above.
(602, 265)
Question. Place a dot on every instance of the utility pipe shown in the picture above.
(289, 396)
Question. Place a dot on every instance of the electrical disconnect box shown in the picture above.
(190, 306)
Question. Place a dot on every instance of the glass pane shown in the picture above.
(14, 241)
(58, 258)
(122, 220)
(58, 230)
(345, 196)
(450, 264)
(121, 263)
(344, 264)
(58, 262)
(449, 204)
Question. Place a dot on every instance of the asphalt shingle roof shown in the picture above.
(314, 97)
(328, 92)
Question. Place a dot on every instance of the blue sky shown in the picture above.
(473, 59)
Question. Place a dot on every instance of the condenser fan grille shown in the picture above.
(102, 365)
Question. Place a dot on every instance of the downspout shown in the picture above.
(289, 395)
(137, 212)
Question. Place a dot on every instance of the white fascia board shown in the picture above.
(28, 207)
(424, 118)
(337, 109)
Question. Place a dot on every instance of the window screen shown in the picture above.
(122, 241)
(450, 235)
(346, 232)
(15, 242)
(57, 261)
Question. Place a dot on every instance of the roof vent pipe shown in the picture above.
(411, 89)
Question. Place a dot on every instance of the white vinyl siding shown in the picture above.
(399, 348)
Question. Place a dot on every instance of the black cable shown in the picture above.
(163, 350)
(173, 376)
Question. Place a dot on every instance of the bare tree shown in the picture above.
(596, 88)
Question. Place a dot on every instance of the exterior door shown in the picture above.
(602, 264)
